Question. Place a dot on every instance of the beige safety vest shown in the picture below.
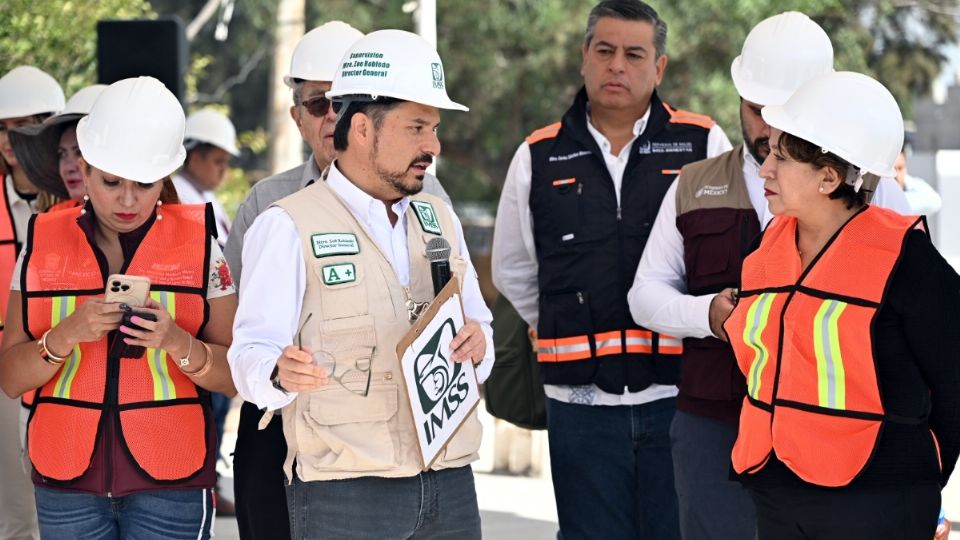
(332, 433)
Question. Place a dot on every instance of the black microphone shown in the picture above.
(438, 252)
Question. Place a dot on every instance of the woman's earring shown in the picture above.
(159, 204)
(821, 188)
(83, 209)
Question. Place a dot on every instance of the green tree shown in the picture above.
(59, 36)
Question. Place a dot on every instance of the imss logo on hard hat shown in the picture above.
(437, 75)
(441, 383)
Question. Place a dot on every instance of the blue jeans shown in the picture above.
(154, 515)
(612, 470)
(431, 505)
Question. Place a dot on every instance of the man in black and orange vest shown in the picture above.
(579, 201)
(709, 219)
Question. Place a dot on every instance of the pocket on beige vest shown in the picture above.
(347, 432)
(343, 291)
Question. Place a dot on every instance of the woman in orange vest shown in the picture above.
(846, 329)
(27, 97)
(50, 155)
(120, 435)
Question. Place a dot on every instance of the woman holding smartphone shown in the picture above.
(122, 447)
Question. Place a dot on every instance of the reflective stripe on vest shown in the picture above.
(607, 343)
(830, 374)
(163, 387)
(803, 339)
(757, 318)
(63, 306)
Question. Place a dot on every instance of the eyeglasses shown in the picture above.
(317, 106)
(355, 378)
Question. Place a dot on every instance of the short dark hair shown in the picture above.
(807, 152)
(198, 148)
(628, 10)
(376, 110)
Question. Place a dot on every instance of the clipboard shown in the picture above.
(442, 394)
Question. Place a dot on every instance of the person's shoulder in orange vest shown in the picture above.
(680, 116)
(546, 132)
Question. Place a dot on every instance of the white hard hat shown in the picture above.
(81, 102)
(212, 127)
(780, 54)
(36, 146)
(848, 114)
(318, 53)
(26, 90)
(395, 64)
(134, 131)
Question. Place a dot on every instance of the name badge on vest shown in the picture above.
(326, 245)
(335, 274)
(427, 217)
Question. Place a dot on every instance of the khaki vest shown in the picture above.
(714, 183)
(332, 433)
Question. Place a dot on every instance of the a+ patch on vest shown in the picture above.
(335, 274)
(427, 217)
(325, 245)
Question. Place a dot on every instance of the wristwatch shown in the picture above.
(275, 379)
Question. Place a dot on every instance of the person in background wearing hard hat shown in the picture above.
(709, 218)
(259, 455)
(49, 153)
(578, 203)
(846, 331)
(353, 465)
(27, 97)
(210, 140)
(119, 436)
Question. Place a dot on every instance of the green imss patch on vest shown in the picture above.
(327, 244)
(426, 216)
(335, 274)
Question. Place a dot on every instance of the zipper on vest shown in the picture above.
(580, 297)
(619, 214)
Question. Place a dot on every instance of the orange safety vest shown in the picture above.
(64, 205)
(803, 340)
(9, 248)
(156, 411)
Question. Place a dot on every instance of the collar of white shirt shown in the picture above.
(359, 202)
(638, 127)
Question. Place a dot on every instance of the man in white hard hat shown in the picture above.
(210, 140)
(709, 218)
(259, 455)
(27, 97)
(577, 205)
(353, 463)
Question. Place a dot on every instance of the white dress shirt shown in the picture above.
(658, 298)
(274, 281)
(191, 194)
(921, 197)
(515, 258)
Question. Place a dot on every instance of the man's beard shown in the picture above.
(759, 148)
(396, 178)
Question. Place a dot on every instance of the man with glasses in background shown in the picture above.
(258, 459)
(332, 277)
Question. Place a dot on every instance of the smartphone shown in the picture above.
(129, 290)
